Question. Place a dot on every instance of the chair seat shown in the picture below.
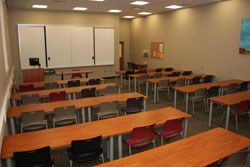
(127, 137)
(84, 157)
(197, 97)
(65, 122)
(158, 131)
(34, 127)
(106, 115)
(131, 110)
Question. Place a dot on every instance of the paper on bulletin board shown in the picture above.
(154, 53)
(158, 54)
(161, 55)
(161, 48)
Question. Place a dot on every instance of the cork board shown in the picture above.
(157, 50)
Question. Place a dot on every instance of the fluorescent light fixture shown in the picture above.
(139, 3)
(97, 0)
(128, 17)
(80, 8)
(114, 11)
(144, 13)
(40, 6)
(173, 7)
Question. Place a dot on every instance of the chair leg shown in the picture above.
(168, 94)
(236, 122)
(70, 163)
(193, 106)
(129, 147)
(153, 142)
(102, 156)
(162, 141)
(205, 105)
(158, 98)
(222, 118)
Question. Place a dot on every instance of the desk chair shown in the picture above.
(243, 86)
(169, 69)
(30, 99)
(94, 81)
(199, 95)
(51, 85)
(89, 92)
(57, 96)
(111, 90)
(163, 86)
(187, 73)
(74, 83)
(129, 65)
(133, 105)
(64, 116)
(108, 110)
(158, 70)
(26, 88)
(126, 76)
(208, 79)
(142, 80)
(174, 74)
(76, 74)
(232, 88)
(196, 80)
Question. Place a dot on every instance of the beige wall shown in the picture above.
(125, 37)
(204, 39)
(19, 16)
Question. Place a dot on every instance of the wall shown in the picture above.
(125, 36)
(19, 16)
(204, 39)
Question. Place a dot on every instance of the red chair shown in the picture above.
(142, 71)
(242, 109)
(171, 128)
(57, 96)
(76, 74)
(141, 136)
(26, 88)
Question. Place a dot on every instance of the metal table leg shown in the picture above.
(135, 83)
(62, 77)
(175, 98)
(120, 146)
(14, 102)
(186, 103)
(155, 92)
(116, 77)
(89, 113)
(86, 75)
(144, 104)
(210, 114)
(147, 88)
(128, 83)
(12, 125)
(227, 118)
(121, 79)
(83, 115)
(9, 162)
(111, 149)
(185, 128)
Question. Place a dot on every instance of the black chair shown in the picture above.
(90, 92)
(187, 73)
(169, 69)
(133, 105)
(212, 92)
(126, 76)
(243, 86)
(74, 83)
(129, 65)
(158, 70)
(94, 81)
(34, 158)
(196, 80)
(241, 158)
(85, 150)
(174, 74)
(208, 79)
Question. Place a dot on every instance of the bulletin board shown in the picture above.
(157, 50)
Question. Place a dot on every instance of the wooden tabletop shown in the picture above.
(59, 82)
(79, 103)
(62, 136)
(43, 93)
(136, 70)
(193, 88)
(198, 150)
(73, 72)
(232, 99)
(173, 79)
(153, 73)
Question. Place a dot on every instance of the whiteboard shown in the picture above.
(104, 46)
(31, 45)
(58, 46)
(82, 49)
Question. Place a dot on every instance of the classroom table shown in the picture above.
(61, 83)
(155, 81)
(228, 100)
(68, 90)
(192, 88)
(62, 73)
(81, 104)
(202, 149)
(136, 76)
(108, 128)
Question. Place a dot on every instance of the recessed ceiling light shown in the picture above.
(114, 11)
(128, 17)
(40, 6)
(145, 13)
(173, 7)
(139, 3)
(97, 0)
(80, 8)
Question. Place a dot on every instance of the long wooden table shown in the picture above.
(61, 83)
(68, 90)
(79, 104)
(155, 81)
(228, 100)
(192, 88)
(62, 136)
(203, 149)
(62, 73)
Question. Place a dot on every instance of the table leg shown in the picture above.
(9, 162)
(69, 95)
(175, 98)
(147, 88)
(186, 103)
(12, 125)
(119, 91)
(144, 104)
(129, 84)
(111, 149)
(86, 75)
(62, 76)
(74, 95)
(210, 114)
(120, 146)
(227, 118)
(185, 128)
(83, 115)
(89, 113)
(135, 83)
(116, 78)
(14, 90)
(14, 102)
(102, 81)
(155, 92)
(108, 148)
(121, 79)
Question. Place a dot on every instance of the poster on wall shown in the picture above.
(245, 37)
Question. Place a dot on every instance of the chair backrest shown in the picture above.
(134, 104)
(57, 96)
(76, 74)
(208, 79)
(156, 75)
(180, 82)
(238, 159)
(172, 126)
(128, 73)
(74, 83)
(51, 85)
(244, 86)
(87, 145)
(108, 108)
(32, 118)
(169, 69)
(26, 88)
(36, 158)
(175, 74)
(142, 71)
(187, 73)
(196, 80)
(213, 91)
(144, 77)
(158, 70)
(30, 99)
(94, 81)
(200, 92)
(64, 113)
(89, 92)
(110, 90)
(140, 134)
(243, 106)
(129, 66)
(134, 66)
(232, 88)
(163, 83)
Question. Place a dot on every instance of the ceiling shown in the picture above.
(154, 6)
